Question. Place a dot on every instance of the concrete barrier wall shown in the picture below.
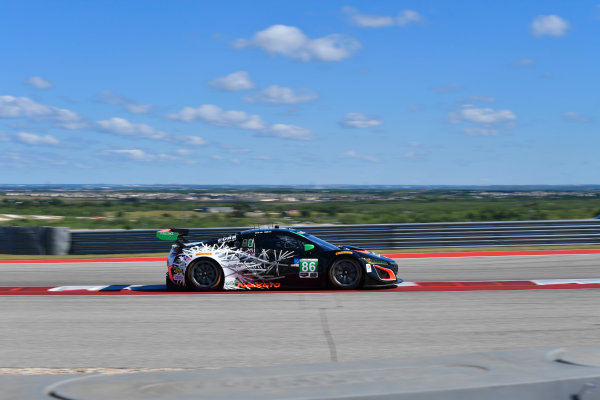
(44, 240)
(35, 240)
(380, 236)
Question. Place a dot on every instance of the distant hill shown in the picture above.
(110, 187)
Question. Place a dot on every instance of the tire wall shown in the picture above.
(34, 240)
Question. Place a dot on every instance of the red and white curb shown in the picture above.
(457, 286)
(498, 285)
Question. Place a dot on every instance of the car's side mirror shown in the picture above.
(309, 247)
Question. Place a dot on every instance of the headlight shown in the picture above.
(375, 261)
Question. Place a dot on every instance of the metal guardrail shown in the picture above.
(381, 236)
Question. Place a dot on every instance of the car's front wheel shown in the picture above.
(204, 275)
(345, 273)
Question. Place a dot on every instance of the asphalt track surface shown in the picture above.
(222, 330)
(574, 266)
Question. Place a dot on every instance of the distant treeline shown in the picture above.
(430, 206)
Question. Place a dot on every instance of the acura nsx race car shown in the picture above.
(272, 258)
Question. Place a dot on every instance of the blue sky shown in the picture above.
(304, 92)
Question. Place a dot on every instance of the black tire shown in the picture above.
(345, 274)
(204, 275)
(171, 287)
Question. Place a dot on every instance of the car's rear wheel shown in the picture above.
(204, 275)
(345, 273)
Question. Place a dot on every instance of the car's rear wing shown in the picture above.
(173, 234)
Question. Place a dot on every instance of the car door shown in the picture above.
(280, 252)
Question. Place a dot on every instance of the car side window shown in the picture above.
(290, 243)
(278, 241)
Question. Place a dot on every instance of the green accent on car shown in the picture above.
(309, 247)
(162, 235)
(299, 233)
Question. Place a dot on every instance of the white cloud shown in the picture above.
(483, 121)
(122, 127)
(290, 132)
(134, 154)
(221, 158)
(39, 83)
(549, 25)
(375, 21)
(275, 94)
(108, 97)
(30, 159)
(481, 131)
(193, 140)
(359, 120)
(24, 107)
(141, 155)
(482, 115)
(13, 159)
(215, 115)
(33, 139)
(234, 82)
(524, 62)
(407, 16)
(137, 108)
(289, 41)
(69, 119)
(355, 155)
(576, 117)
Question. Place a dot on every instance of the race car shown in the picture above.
(272, 258)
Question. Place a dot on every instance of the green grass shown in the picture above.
(413, 207)
(393, 206)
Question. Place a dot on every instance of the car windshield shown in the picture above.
(320, 242)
